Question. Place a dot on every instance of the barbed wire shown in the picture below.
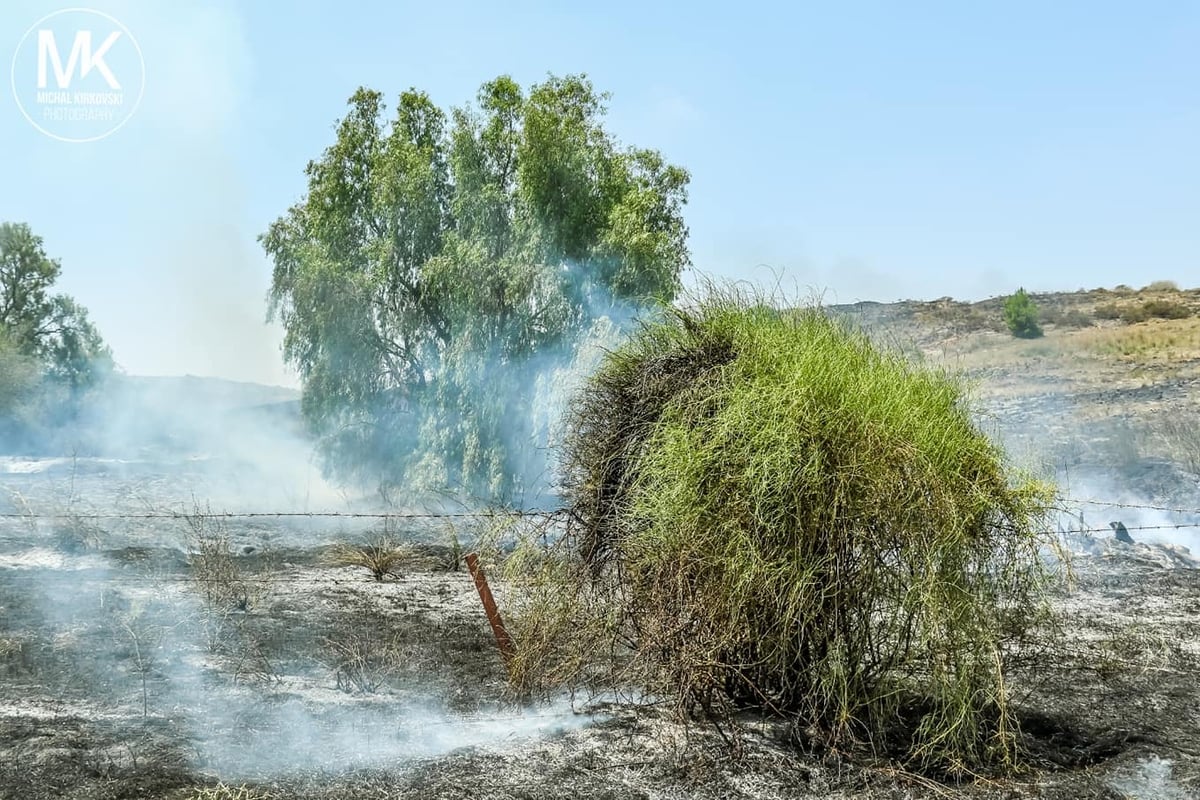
(185, 515)
(1166, 527)
(1139, 506)
(435, 515)
(291, 573)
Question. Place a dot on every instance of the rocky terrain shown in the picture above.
(152, 648)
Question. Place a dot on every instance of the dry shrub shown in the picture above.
(558, 614)
(382, 557)
(1066, 318)
(1132, 314)
(364, 657)
(215, 570)
(780, 515)
(1166, 309)
(229, 597)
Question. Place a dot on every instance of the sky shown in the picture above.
(865, 151)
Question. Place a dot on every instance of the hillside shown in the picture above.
(1106, 397)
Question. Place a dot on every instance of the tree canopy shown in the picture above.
(441, 263)
(42, 332)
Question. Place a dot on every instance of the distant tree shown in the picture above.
(1021, 316)
(19, 375)
(40, 331)
(440, 260)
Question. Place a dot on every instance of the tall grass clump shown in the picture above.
(795, 520)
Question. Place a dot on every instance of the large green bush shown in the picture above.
(790, 518)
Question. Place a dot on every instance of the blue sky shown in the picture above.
(868, 150)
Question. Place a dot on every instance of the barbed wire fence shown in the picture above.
(542, 516)
(513, 514)
(486, 513)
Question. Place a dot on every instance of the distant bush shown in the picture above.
(792, 519)
(1154, 309)
(1070, 318)
(1021, 316)
(1107, 311)
(1131, 315)
(1167, 309)
(1162, 286)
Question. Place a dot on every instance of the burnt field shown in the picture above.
(153, 647)
(122, 680)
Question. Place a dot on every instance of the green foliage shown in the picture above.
(50, 352)
(18, 377)
(1021, 316)
(440, 263)
(790, 518)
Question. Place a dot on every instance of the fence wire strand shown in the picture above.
(488, 514)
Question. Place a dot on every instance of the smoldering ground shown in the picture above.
(108, 612)
(290, 665)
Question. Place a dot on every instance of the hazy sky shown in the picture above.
(873, 151)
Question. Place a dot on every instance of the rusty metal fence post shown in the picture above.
(503, 640)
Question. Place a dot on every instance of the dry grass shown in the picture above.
(1158, 340)
(382, 558)
(12, 652)
(1175, 437)
(222, 791)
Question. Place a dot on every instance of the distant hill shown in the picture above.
(138, 415)
(217, 394)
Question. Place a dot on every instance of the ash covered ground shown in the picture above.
(123, 679)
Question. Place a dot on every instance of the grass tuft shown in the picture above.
(382, 557)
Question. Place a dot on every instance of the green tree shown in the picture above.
(18, 383)
(51, 331)
(1021, 316)
(440, 264)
